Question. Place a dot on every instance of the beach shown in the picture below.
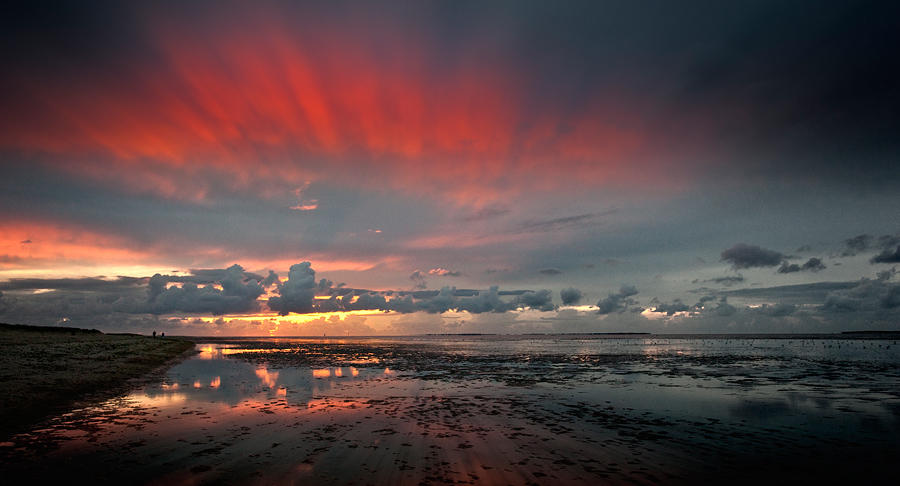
(50, 370)
(520, 410)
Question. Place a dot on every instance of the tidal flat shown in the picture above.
(519, 410)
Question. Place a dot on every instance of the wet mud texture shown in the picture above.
(434, 414)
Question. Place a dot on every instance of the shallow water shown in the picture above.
(491, 410)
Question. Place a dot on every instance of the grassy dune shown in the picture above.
(46, 370)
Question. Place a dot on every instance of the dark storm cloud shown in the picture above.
(749, 256)
(570, 296)
(619, 301)
(811, 265)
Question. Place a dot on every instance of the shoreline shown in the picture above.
(46, 371)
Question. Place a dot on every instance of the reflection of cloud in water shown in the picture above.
(161, 400)
(268, 378)
(214, 377)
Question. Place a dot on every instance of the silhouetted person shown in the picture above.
(154, 333)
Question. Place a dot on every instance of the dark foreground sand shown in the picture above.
(49, 370)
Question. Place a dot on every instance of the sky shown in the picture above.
(336, 168)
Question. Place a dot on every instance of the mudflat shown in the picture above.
(48, 370)
(507, 410)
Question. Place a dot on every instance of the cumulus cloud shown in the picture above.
(237, 294)
(570, 296)
(540, 300)
(619, 301)
(812, 265)
(297, 292)
(749, 256)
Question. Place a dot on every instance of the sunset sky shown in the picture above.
(320, 168)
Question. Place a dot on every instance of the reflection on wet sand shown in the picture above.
(532, 410)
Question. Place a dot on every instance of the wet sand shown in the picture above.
(519, 412)
(45, 371)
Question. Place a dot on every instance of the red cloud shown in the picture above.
(273, 99)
